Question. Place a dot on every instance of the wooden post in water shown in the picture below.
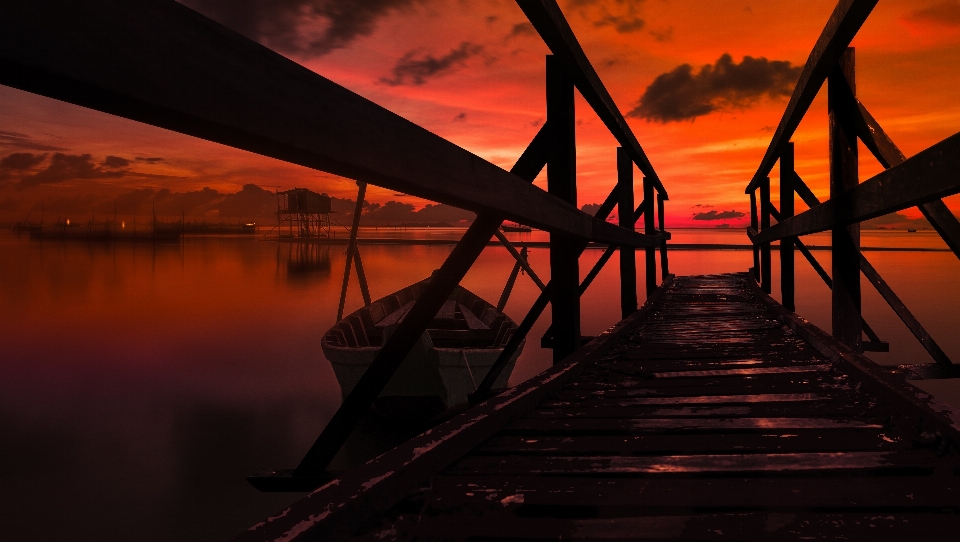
(755, 224)
(562, 183)
(664, 265)
(847, 319)
(765, 274)
(787, 281)
(649, 229)
(628, 255)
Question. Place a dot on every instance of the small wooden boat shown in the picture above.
(515, 228)
(451, 359)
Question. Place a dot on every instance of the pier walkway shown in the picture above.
(710, 414)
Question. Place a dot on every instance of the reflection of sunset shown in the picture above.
(473, 73)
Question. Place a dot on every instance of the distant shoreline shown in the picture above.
(545, 244)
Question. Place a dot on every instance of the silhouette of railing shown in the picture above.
(163, 64)
(919, 181)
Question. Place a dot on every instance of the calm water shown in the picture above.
(140, 384)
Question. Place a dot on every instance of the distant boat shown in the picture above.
(451, 359)
(515, 228)
(911, 230)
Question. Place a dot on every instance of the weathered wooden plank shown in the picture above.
(843, 25)
(793, 440)
(160, 63)
(664, 260)
(636, 425)
(655, 495)
(548, 20)
(766, 278)
(696, 464)
(761, 526)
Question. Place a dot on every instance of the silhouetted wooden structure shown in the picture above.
(710, 413)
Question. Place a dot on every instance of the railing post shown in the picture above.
(628, 255)
(562, 182)
(648, 228)
(787, 281)
(847, 319)
(664, 265)
(765, 278)
(755, 224)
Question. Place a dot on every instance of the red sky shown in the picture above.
(481, 86)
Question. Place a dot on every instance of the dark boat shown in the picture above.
(515, 228)
(450, 360)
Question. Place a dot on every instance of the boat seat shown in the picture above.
(348, 336)
(471, 319)
(390, 305)
(361, 334)
(374, 333)
(375, 312)
(396, 316)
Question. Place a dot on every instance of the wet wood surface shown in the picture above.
(710, 419)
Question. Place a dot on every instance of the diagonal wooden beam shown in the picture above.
(160, 63)
(844, 23)
(889, 155)
(548, 20)
(904, 313)
(925, 177)
(408, 332)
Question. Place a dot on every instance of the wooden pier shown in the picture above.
(710, 414)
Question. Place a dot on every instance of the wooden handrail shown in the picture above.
(548, 20)
(163, 64)
(843, 25)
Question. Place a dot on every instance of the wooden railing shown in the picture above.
(160, 63)
(920, 181)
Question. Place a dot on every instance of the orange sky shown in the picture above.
(491, 100)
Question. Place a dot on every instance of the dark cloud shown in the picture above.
(69, 167)
(461, 117)
(623, 24)
(249, 202)
(20, 161)
(396, 212)
(522, 29)
(289, 25)
(17, 140)
(663, 34)
(718, 215)
(114, 162)
(413, 71)
(153, 160)
(682, 95)
(947, 13)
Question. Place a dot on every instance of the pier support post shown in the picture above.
(664, 264)
(787, 280)
(562, 182)
(847, 319)
(765, 271)
(628, 255)
(755, 224)
(649, 229)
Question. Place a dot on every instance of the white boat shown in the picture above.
(449, 361)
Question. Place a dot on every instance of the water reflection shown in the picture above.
(305, 261)
(140, 384)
